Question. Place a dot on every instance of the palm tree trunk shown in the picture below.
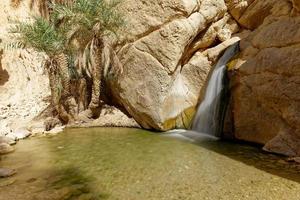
(62, 63)
(59, 80)
(97, 74)
(82, 89)
(56, 89)
(66, 98)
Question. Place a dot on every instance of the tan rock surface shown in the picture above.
(23, 85)
(6, 148)
(266, 95)
(162, 80)
(112, 117)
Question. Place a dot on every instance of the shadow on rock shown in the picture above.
(4, 76)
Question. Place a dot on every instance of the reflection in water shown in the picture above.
(112, 163)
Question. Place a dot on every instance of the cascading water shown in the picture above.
(209, 117)
(208, 122)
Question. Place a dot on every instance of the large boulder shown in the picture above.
(165, 67)
(265, 92)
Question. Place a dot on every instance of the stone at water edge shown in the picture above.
(5, 148)
(4, 172)
(55, 130)
(36, 128)
(19, 134)
(7, 140)
(294, 159)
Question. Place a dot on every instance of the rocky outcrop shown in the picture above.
(165, 65)
(265, 93)
(23, 84)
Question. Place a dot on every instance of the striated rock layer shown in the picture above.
(265, 85)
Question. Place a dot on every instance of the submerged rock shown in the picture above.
(5, 148)
(294, 159)
(4, 172)
(7, 140)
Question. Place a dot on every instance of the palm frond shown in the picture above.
(11, 45)
(94, 17)
(39, 35)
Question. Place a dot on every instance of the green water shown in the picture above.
(132, 164)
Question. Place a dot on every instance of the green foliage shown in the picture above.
(85, 19)
(40, 35)
(81, 20)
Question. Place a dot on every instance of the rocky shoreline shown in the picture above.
(110, 117)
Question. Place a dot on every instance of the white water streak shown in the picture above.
(207, 119)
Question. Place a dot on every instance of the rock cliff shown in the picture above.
(23, 84)
(166, 60)
(265, 93)
(167, 50)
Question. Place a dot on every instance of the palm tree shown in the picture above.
(74, 28)
(41, 5)
(43, 36)
(88, 22)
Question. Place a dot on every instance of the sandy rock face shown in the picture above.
(163, 76)
(266, 95)
(23, 85)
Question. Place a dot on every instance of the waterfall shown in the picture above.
(209, 117)
(208, 122)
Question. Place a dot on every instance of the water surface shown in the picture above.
(114, 163)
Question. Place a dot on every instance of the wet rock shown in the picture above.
(294, 159)
(4, 172)
(5, 148)
(7, 140)
(55, 130)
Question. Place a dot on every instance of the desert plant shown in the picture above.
(74, 28)
(41, 5)
(86, 19)
(87, 22)
(41, 35)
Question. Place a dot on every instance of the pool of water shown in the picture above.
(133, 164)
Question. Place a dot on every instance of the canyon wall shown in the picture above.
(265, 83)
(168, 49)
(23, 84)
